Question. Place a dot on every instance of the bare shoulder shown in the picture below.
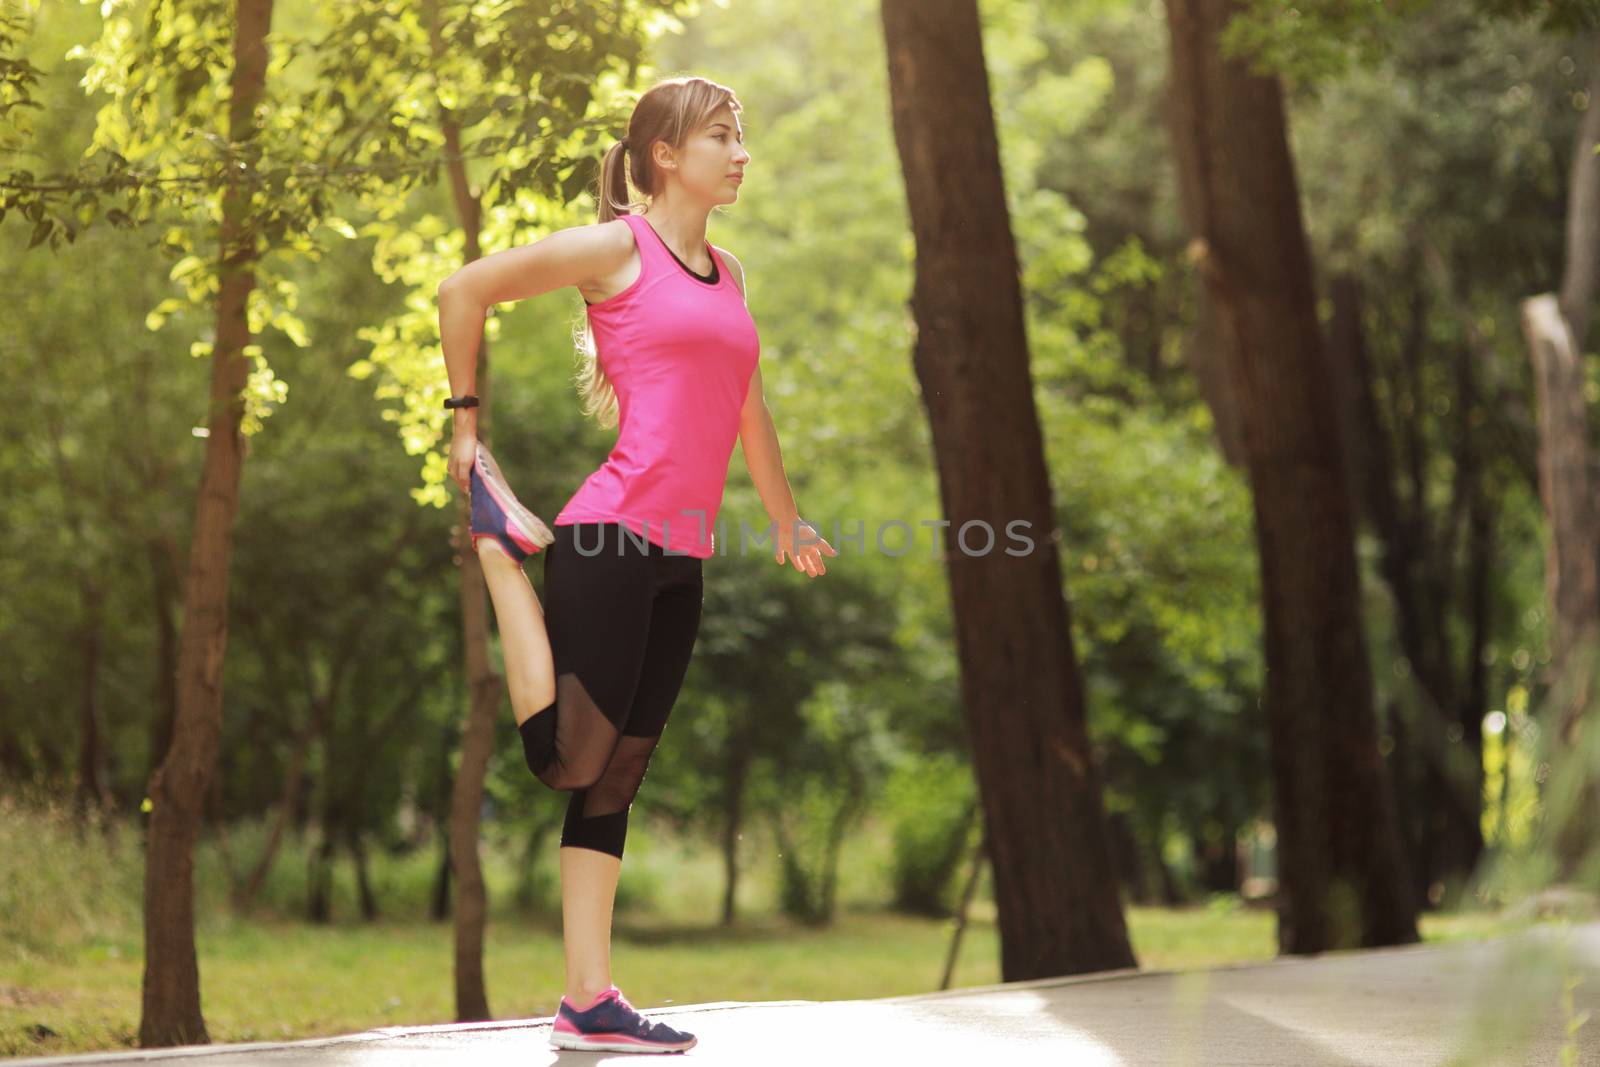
(734, 266)
(615, 261)
(612, 241)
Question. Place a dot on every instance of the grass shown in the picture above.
(71, 964)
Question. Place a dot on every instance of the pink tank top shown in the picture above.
(680, 352)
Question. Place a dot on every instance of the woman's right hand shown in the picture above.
(463, 453)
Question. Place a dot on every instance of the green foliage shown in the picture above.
(932, 802)
(17, 78)
(1313, 42)
(819, 787)
(810, 823)
(1554, 16)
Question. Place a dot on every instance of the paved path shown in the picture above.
(1399, 1007)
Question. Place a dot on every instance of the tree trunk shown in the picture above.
(90, 790)
(319, 885)
(163, 594)
(485, 688)
(1022, 694)
(93, 791)
(14, 763)
(1582, 275)
(1218, 855)
(1418, 553)
(733, 822)
(171, 991)
(1555, 327)
(1206, 339)
(1341, 867)
(837, 828)
(1480, 568)
(440, 908)
(368, 898)
(962, 910)
(322, 704)
(287, 805)
(1464, 846)
(1571, 585)
(1125, 855)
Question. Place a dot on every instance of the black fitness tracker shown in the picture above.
(466, 401)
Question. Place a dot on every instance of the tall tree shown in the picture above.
(1341, 868)
(1556, 325)
(171, 1002)
(1023, 701)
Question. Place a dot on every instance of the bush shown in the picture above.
(810, 829)
(932, 803)
(65, 882)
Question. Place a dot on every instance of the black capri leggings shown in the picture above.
(623, 616)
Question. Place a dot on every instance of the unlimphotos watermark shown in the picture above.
(892, 537)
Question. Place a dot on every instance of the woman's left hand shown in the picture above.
(806, 553)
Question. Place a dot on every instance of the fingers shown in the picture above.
(806, 560)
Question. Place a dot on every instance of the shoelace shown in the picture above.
(649, 1026)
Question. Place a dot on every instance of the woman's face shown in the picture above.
(713, 157)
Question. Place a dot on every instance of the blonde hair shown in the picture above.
(668, 111)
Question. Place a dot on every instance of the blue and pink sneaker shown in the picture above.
(611, 1024)
(497, 513)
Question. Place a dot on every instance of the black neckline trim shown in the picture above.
(715, 276)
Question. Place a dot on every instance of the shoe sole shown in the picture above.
(534, 535)
(615, 1043)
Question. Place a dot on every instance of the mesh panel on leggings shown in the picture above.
(620, 783)
(584, 737)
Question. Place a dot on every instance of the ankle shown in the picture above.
(582, 996)
(487, 546)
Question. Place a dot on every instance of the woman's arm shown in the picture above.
(574, 256)
(758, 436)
(803, 542)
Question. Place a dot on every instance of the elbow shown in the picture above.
(752, 420)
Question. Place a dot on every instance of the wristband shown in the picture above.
(466, 400)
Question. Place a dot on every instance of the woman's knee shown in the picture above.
(571, 775)
(539, 739)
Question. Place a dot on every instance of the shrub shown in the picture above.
(931, 801)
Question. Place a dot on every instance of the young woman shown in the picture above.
(670, 359)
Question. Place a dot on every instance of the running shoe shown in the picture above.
(611, 1024)
(497, 513)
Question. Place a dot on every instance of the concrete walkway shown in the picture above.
(1487, 1002)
